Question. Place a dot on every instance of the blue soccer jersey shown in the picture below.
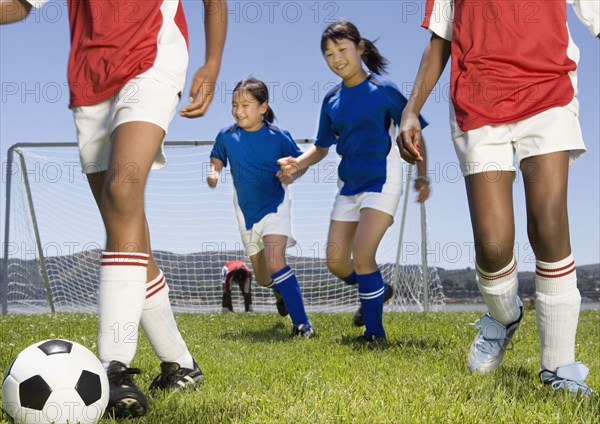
(253, 161)
(359, 120)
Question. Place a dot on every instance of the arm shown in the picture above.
(13, 11)
(203, 84)
(434, 60)
(293, 168)
(216, 166)
(422, 181)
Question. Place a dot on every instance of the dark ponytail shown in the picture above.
(347, 30)
(373, 59)
(257, 89)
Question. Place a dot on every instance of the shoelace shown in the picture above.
(490, 346)
(122, 377)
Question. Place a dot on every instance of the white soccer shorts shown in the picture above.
(276, 223)
(493, 147)
(144, 98)
(347, 208)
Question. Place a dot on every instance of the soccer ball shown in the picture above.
(55, 381)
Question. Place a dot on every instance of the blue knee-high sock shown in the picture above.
(370, 292)
(352, 279)
(287, 284)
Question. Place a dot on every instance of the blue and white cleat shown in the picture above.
(493, 339)
(304, 330)
(568, 377)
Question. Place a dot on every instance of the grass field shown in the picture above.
(256, 373)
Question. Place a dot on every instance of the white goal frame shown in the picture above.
(414, 296)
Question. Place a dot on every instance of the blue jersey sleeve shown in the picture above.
(326, 136)
(218, 151)
(289, 146)
(399, 103)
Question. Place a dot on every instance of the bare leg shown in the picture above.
(339, 248)
(492, 219)
(491, 207)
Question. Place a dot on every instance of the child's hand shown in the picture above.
(212, 179)
(289, 171)
(409, 138)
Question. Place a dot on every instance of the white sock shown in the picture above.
(122, 294)
(160, 326)
(499, 291)
(557, 311)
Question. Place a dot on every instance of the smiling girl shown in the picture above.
(357, 115)
(252, 146)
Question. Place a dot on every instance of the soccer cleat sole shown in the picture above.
(127, 407)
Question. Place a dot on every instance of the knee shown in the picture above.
(364, 262)
(546, 226)
(494, 251)
(334, 267)
(121, 197)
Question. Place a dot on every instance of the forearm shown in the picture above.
(216, 166)
(434, 60)
(313, 155)
(215, 29)
(13, 11)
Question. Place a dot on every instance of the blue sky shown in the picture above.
(278, 41)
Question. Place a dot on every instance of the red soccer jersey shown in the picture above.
(113, 41)
(510, 59)
(229, 270)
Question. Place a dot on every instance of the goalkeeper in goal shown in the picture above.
(237, 272)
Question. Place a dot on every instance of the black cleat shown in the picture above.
(304, 330)
(358, 320)
(281, 308)
(126, 400)
(372, 339)
(174, 377)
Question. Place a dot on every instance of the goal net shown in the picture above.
(53, 236)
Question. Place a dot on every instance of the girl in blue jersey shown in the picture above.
(252, 147)
(357, 116)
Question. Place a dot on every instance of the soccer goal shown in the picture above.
(53, 236)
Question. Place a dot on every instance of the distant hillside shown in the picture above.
(459, 284)
(79, 274)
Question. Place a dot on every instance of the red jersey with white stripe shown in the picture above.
(510, 59)
(113, 41)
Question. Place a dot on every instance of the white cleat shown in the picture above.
(493, 339)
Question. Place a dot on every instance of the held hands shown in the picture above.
(213, 178)
(409, 138)
(202, 92)
(290, 170)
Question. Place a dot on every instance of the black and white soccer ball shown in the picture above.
(55, 381)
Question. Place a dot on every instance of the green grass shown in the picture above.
(256, 373)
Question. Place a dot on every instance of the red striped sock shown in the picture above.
(499, 291)
(122, 286)
(160, 326)
(557, 311)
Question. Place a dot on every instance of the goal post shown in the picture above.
(53, 235)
